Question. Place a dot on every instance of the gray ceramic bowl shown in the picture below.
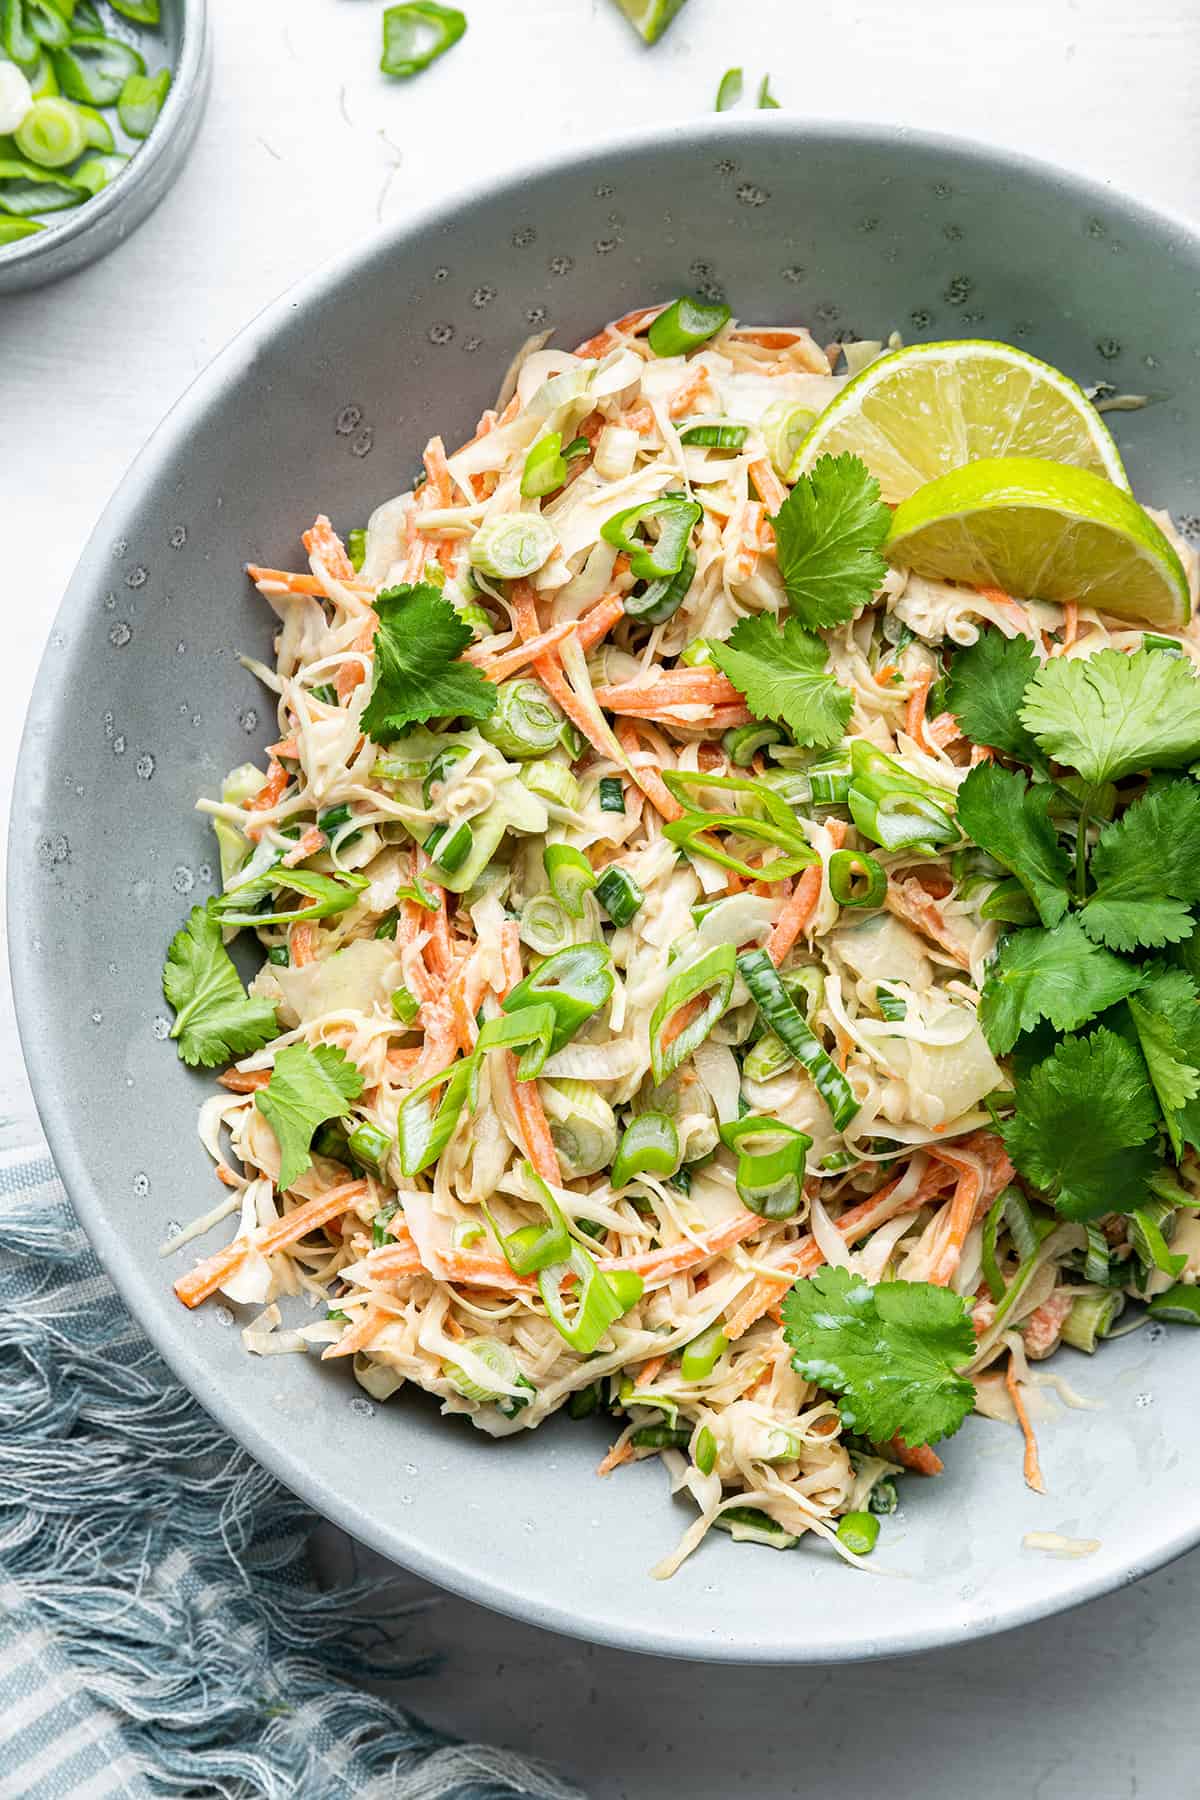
(324, 403)
(90, 231)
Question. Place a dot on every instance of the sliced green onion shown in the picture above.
(715, 437)
(769, 1182)
(1024, 1227)
(526, 722)
(142, 12)
(326, 694)
(415, 892)
(698, 655)
(584, 1128)
(1091, 1318)
(769, 1057)
(729, 90)
(496, 1358)
(578, 446)
(424, 1128)
(891, 1006)
(95, 69)
(24, 188)
(1147, 1226)
(552, 781)
(988, 1259)
(141, 100)
(705, 1454)
(685, 325)
(545, 924)
(415, 35)
(712, 974)
(612, 794)
(661, 599)
(356, 547)
(465, 1235)
(883, 1497)
(750, 1525)
(784, 427)
(601, 1299)
(329, 894)
(571, 876)
(51, 134)
(279, 955)
(829, 781)
(436, 774)
(1179, 1305)
(369, 1145)
(532, 1248)
(529, 1029)
(849, 867)
(380, 1235)
(13, 230)
(702, 1355)
(892, 807)
(584, 1402)
(513, 545)
(1152, 640)
(1008, 904)
(576, 983)
(766, 99)
(858, 1531)
(650, 1145)
(405, 1005)
(19, 40)
(661, 1437)
(743, 742)
(619, 894)
(545, 467)
(448, 847)
(676, 514)
(769, 995)
(1097, 1266)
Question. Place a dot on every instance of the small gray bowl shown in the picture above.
(324, 404)
(90, 231)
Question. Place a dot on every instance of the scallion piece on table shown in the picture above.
(769, 1180)
(686, 324)
(858, 1531)
(701, 1356)
(612, 794)
(715, 436)
(766, 99)
(449, 846)
(575, 982)
(729, 90)
(660, 600)
(512, 546)
(526, 721)
(405, 1005)
(711, 974)
(545, 467)
(742, 743)
(601, 1298)
(417, 34)
(650, 18)
(856, 879)
(619, 894)
(571, 876)
(95, 69)
(780, 1013)
(675, 514)
(750, 1525)
(649, 1146)
(52, 133)
(141, 100)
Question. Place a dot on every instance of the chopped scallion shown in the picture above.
(686, 324)
(415, 35)
(619, 894)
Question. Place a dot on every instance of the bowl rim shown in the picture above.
(184, 1357)
(139, 171)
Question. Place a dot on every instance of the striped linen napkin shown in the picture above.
(159, 1632)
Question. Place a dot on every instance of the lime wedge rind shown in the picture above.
(916, 414)
(1042, 531)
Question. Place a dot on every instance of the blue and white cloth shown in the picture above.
(159, 1632)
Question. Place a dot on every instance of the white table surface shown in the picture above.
(304, 150)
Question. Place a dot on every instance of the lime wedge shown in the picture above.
(650, 18)
(1042, 531)
(918, 413)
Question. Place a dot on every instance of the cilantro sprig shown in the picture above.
(828, 535)
(419, 673)
(215, 1018)
(783, 672)
(308, 1085)
(892, 1353)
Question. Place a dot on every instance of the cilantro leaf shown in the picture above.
(307, 1086)
(827, 536)
(418, 674)
(1056, 975)
(215, 1019)
(1109, 714)
(783, 674)
(1147, 871)
(984, 690)
(1166, 1020)
(1010, 820)
(891, 1353)
(1081, 1126)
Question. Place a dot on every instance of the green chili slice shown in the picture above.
(702, 1355)
(662, 599)
(712, 974)
(892, 807)
(743, 742)
(532, 1248)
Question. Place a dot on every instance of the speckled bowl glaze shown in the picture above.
(88, 232)
(324, 403)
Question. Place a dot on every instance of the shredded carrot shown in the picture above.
(302, 945)
(497, 667)
(919, 1458)
(909, 901)
(631, 325)
(1070, 626)
(285, 747)
(272, 791)
(322, 541)
(247, 1082)
(531, 1118)
(1032, 1466)
(885, 675)
(563, 694)
(208, 1275)
(599, 622)
(441, 952)
(671, 1260)
(649, 780)
(959, 1216)
(285, 581)
(943, 730)
(687, 394)
(914, 712)
(439, 487)
(620, 1453)
(677, 687)
(354, 670)
(1013, 608)
(357, 1337)
(771, 490)
(510, 954)
(775, 338)
(981, 754)
(306, 845)
(798, 910)
(648, 1371)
